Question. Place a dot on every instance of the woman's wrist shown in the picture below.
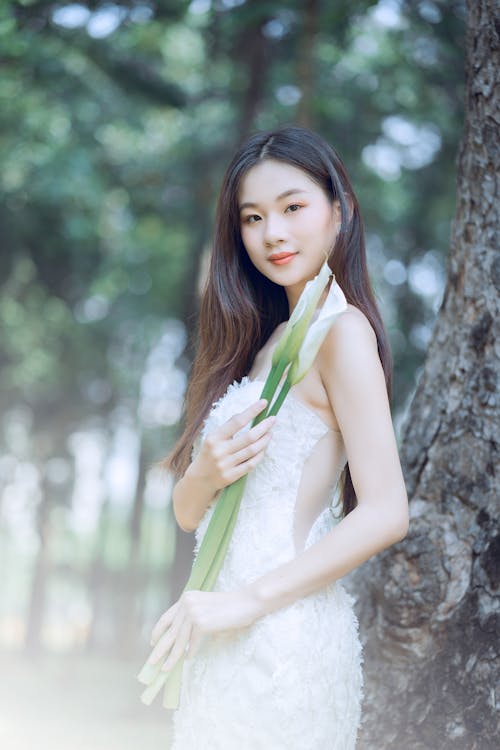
(200, 479)
(192, 495)
(261, 606)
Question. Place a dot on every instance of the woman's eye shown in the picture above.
(293, 207)
(251, 219)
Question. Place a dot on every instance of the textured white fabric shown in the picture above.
(292, 680)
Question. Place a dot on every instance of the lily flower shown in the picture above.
(291, 339)
(334, 304)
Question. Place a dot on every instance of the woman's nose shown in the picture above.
(274, 230)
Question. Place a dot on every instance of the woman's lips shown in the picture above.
(281, 258)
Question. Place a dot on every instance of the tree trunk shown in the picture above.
(432, 614)
(41, 576)
(305, 63)
(129, 627)
(254, 57)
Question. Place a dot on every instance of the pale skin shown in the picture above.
(346, 388)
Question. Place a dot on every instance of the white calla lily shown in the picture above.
(334, 304)
(291, 338)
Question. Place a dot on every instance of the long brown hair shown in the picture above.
(240, 307)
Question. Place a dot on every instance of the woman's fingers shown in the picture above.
(235, 464)
(164, 621)
(194, 643)
(243, 468)
(179, 647)
(236, 423)
(249, 451)
(252, 435)
(223, 452)
(165, 642)
(203, 613)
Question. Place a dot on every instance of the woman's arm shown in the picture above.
(222, 459)
(353, 377)
(190, 498)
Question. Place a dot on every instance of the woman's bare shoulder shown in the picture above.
(351, 335)
(353, 322)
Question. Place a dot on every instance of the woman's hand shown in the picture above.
(180, 629)
(225, 457)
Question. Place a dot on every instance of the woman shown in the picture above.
(273, 654)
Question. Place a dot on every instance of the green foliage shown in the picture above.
(115, 128)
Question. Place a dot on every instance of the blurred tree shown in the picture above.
(432, 615)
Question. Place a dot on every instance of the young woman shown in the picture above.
(273, 654)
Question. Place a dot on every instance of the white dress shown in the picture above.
(293, 679)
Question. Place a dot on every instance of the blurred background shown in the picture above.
(117, 122)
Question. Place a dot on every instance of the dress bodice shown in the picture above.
(279, 489)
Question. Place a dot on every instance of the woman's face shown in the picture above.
(288, 224)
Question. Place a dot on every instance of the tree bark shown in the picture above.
(305, 63)
(254, 57)
(432, 611)
(41, 576)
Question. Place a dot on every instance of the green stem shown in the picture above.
(149, 672)
(173, 685)
(280, 398)
(214, 570)
(216, 528)
(270, 386)
(152, 690)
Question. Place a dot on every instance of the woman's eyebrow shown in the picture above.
(292, 191)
